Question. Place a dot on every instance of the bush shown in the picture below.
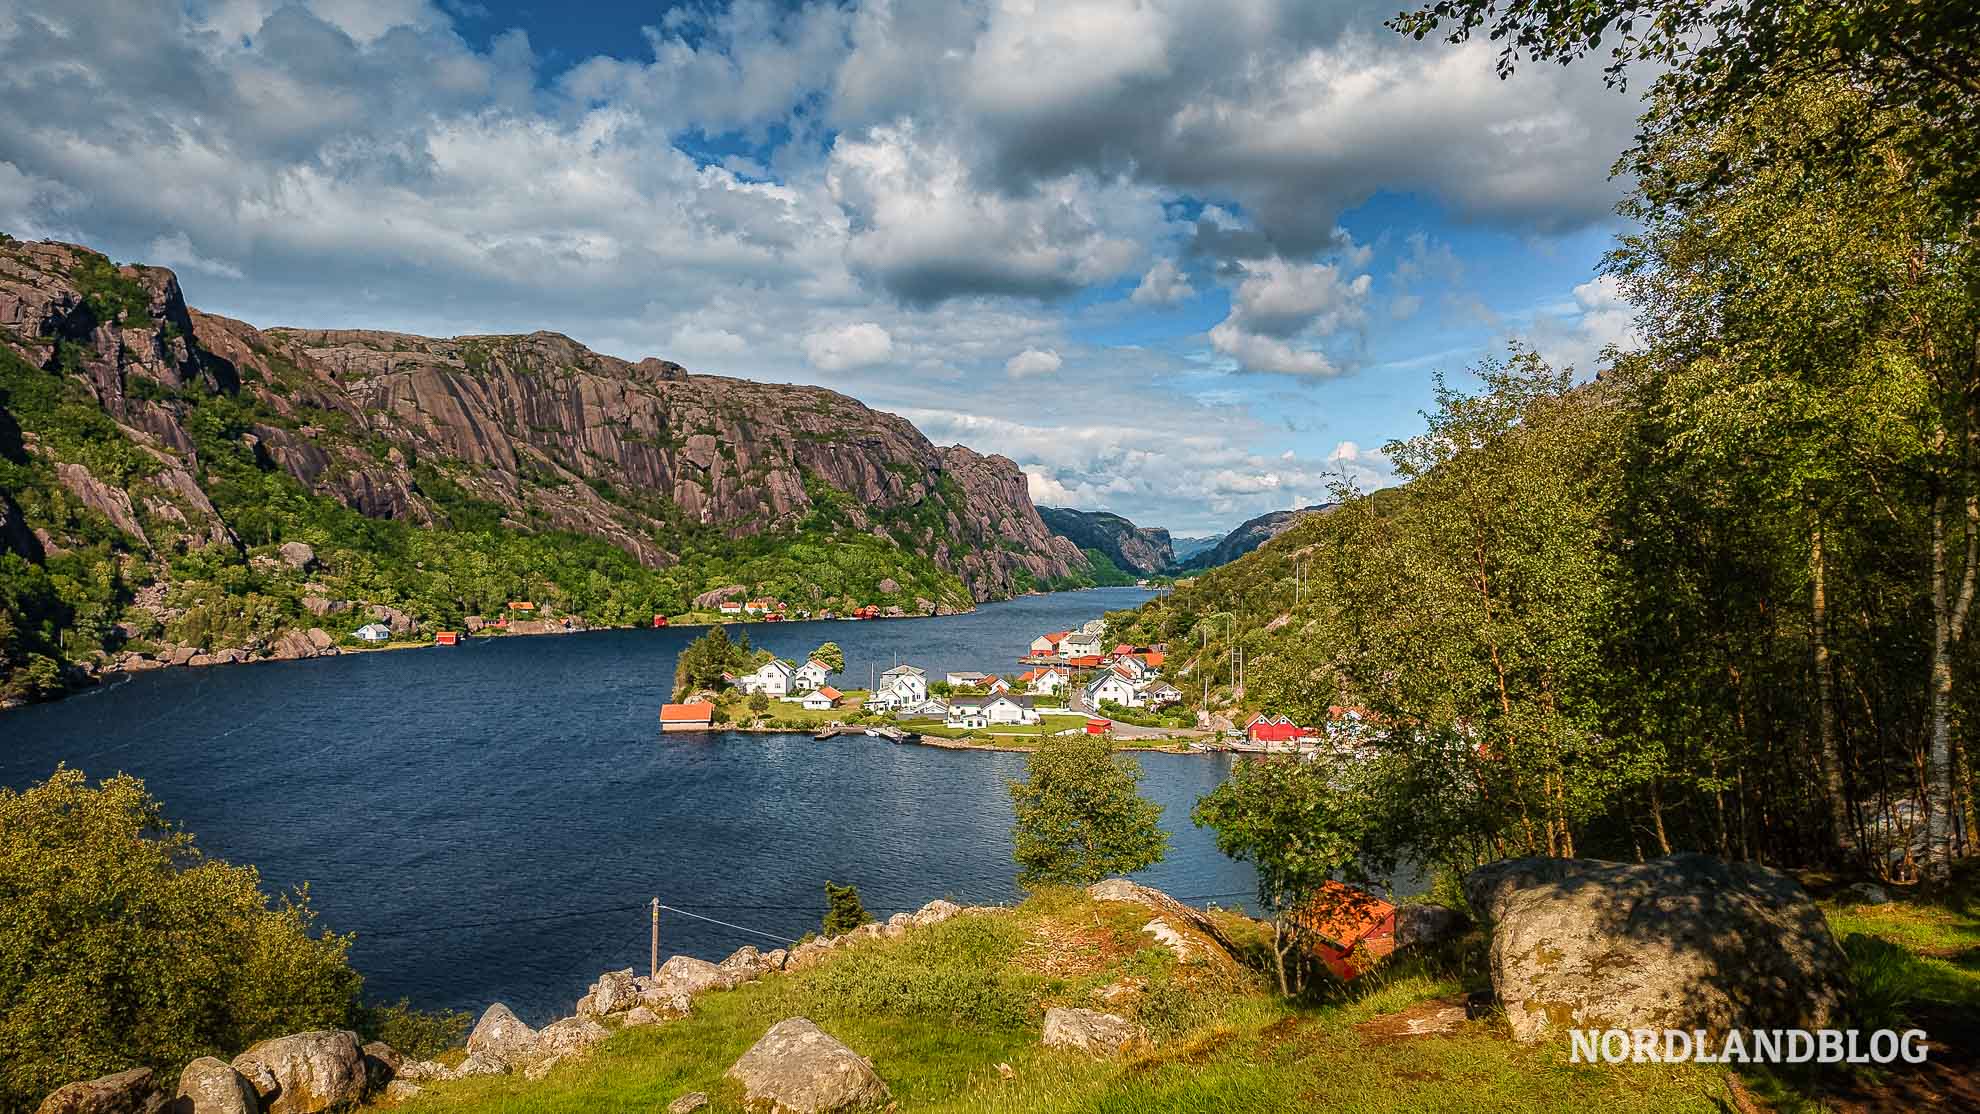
(121, 944)
(415, 1034)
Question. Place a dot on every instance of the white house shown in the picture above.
(985, 711)
(883, 700)
(930, 708)
(907, 682)
(1134, 666)
(1112, 687)
(1157, 693)
(1047, 643)
(730, 607)
(773, 678)
(1049, 681)
(821, 699)
(812, 674)
(374, 632)
(997, 686)
(1080, 643)
(967, 679)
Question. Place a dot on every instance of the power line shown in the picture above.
(737, 927)
(500, 921)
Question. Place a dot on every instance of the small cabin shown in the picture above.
(697, 715)
(659, 621)
(373, 632)
(447, 638)
(1099, 726)
(1348, 929)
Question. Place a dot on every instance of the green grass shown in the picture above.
(937, 1011)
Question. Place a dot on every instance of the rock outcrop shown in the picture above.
(798, 1068)
(1683, 942)
(305, 1073)
(1090, 1031)
(501, 1039)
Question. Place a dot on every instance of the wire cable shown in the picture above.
(737, 927)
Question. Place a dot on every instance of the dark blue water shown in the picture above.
(480, 786)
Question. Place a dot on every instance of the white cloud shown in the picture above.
(1281, 311)
(849, 346)
(1163, 285)
(176, 250)
(1033, 361)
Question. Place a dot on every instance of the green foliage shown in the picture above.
(120, 944)
(414, 1033)
(1080, 815)
(843, 911)
(830, 656)
(702, 663)
(112, 296)
(758, 702)
(1300, 824)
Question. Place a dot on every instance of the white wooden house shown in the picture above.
(773, 678)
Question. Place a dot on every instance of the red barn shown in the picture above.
(1274, 729)
(447, 638)
(1099, 726)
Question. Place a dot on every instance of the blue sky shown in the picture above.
(1184, 260)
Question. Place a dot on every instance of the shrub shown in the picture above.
(414, 1033)
(843, 910)
(121, 944)
(1080, 817)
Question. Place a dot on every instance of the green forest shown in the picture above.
(1713, 594)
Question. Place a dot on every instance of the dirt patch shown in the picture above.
(1949, 1079)
(1436, 1017)
(1070, 951)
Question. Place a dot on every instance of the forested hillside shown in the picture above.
(1715, 596)
(180, 486)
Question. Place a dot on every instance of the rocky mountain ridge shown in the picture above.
(121, 408)
(1249, 535)
(1137, 549)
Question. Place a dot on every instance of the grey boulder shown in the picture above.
(1683, 942)
(127, 1092)
(501, 1038)
(1090, 1031)
(311, 1072)
(212, 1086)
(798, 1068)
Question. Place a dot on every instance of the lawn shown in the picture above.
(940, 1009)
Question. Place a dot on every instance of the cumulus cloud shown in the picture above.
(849, 346)
(1163, 285)
(1033, 361)
(922, 189)
(1281, 310)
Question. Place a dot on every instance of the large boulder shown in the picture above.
(569, 1037)
(1421, 924)
(1091, 1031)
(798, 1068)
(614, 992)
(935, 912)
(311, 1072)
(1683, 942)
(500, 1037)
(127, 1092)
(212, 1086)
(687, 975)
(298, 555)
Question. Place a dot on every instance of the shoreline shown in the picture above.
(96, 680)
(938, 741)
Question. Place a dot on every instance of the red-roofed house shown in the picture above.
(1048, 643)
(1340, 919)
(696, 716)
(821, 699)
(1274, 729)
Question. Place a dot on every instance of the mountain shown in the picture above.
(1249, 536)
(1137, 549)
(154, 461)
(1189, 547)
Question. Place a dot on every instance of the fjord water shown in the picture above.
(447, 803)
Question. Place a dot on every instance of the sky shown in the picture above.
(1184, 260)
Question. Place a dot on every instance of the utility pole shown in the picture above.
(654, 953)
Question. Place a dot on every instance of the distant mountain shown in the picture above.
(1136, 549)
(1190, 547)
(1245, 538)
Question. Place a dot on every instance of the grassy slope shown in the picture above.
(938, 1010)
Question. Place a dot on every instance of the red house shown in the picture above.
(1341, 920)
(447, 638)
(1263, 728)
(659, 620)
(697, 716)
(1099, 726)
